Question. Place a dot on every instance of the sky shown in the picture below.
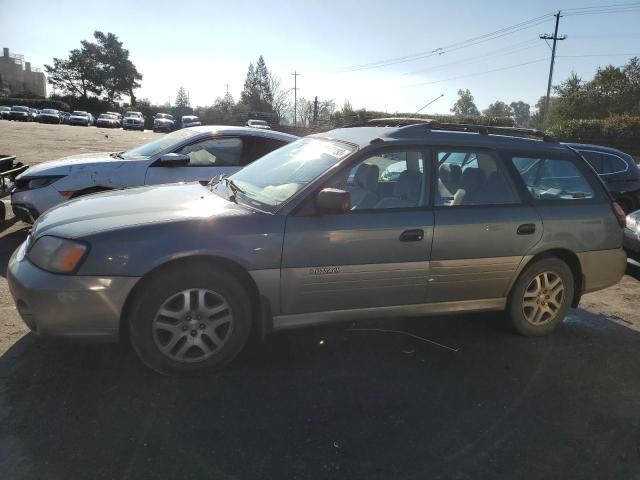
(205, 45)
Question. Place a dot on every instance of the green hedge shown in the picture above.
(622, 132)
(38, 103)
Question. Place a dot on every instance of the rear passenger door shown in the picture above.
(483, 226)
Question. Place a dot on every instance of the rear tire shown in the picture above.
(189, 320)
(541, 296)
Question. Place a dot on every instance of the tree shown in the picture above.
(94, 68)
(116, 73)
(182, 99)
(281, 103)
(612, 91)
(257, 94)
(464, 106)
(521, 113)
(248, 95)
(498, 109)
(76, 75)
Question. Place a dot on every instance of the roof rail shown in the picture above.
(389, 122)
(455, 127)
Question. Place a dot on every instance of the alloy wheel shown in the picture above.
(543, 298)
(192, 325)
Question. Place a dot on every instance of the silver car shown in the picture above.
(327, 228)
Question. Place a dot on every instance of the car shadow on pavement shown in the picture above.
(361, 400)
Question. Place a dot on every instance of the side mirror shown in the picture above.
(333, 200)
(174, 160)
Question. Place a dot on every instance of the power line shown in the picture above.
(599, 55)
(495, 53)
(454, 46)
(508, 67)
(598, 7)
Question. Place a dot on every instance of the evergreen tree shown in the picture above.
(182, 99)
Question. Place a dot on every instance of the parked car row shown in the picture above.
(391, 218)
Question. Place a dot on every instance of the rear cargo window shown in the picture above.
(553, 179)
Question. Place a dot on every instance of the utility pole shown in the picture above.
(555, 38)
(295, 97)
(227, 85)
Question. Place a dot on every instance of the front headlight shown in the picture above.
(633, 221)
(39, 182)
(57, 255)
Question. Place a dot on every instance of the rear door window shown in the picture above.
(472, 178)
(553, 179)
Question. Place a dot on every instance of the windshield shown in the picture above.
(152, 148)
(105, 116)
(190, 119)
(270, 181)
(79, 114)
(133, 114)
(258, 122)
(48, 110)
(164, 115)
(20, 109)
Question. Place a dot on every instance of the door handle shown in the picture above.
(526, 229)
(412, 235)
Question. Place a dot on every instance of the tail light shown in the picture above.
(620, 215)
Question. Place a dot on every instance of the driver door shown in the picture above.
(375, 255)
(207, 158)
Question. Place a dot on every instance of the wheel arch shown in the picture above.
(567, 256)
(90, 190)
(259, 306)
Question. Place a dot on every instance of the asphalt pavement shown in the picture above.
(336, 403)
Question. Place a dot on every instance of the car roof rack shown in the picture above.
(409, 124)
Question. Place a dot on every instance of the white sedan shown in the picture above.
(190, 154)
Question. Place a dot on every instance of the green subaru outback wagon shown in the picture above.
(393, 218)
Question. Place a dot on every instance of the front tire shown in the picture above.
(541, 296)
(189, 319)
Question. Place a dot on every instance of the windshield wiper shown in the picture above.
(116, 155)
(229, 183)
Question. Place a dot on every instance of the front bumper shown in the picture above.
(20, 118)
(133, 126)
(163, 127)
(35, 201)
(106, 124)
(67, 305)
(47, 119)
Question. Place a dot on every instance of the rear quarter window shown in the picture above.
(604, 163)
(560, 178)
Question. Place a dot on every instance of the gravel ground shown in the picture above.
(328, 402)
(36, 142)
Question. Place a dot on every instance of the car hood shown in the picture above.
(78, 117)
(130, 207)
(67, 165)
